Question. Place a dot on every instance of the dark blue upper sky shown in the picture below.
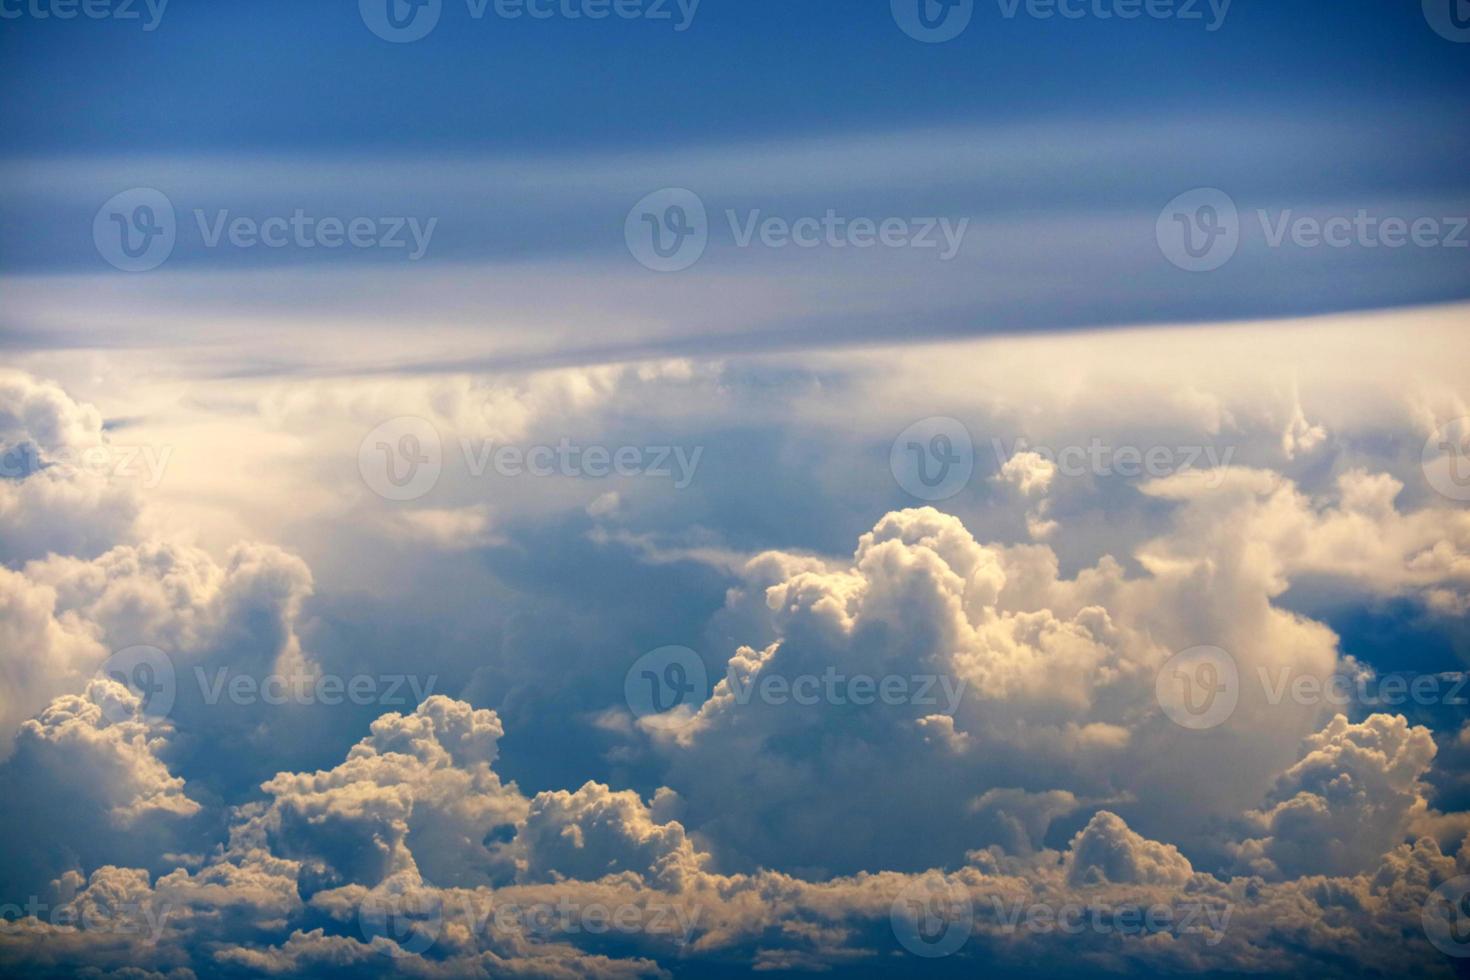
(528, 140)
(279, 75)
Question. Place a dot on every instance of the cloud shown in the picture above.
(63, 486)
(1349, 799)
(352, 840)
(96, 790)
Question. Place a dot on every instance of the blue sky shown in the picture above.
(277, 76)
(1060, 138)
(1064, 380)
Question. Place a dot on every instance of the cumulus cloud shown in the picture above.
(1348, 800)
(984, 711)
(90, 788)
(1055, 691)
(607, 885)
(418, 793)
(63, 486)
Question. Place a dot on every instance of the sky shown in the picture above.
(657, 488)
